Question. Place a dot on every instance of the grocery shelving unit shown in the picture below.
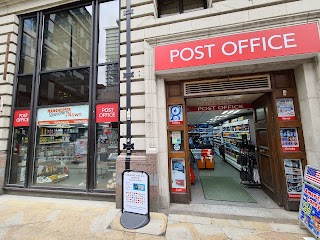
(217, 139)
(202, 132)
(232, 135)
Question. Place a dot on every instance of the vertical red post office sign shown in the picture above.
(175, 115)
(21, 118)
(107, 112)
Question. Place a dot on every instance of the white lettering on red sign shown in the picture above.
(107, 112)
(22, 117)
(231, 48)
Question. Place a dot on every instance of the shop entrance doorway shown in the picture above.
(278, 146)
(224, 136)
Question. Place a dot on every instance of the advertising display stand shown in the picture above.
(309, 212)
(135, 199)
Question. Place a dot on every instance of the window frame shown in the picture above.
(92, 101)
(181, 8)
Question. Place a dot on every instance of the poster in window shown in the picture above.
(289, 139)
(293, 172)
(178, 175)
(285, 108)
(175, 115)
(176, 137)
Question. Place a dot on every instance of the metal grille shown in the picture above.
(227, 86)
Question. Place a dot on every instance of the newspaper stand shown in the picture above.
(309, 211)
(135, 199)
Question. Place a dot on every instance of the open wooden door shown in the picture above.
(266, 145)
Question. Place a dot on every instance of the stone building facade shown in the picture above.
(149, 122)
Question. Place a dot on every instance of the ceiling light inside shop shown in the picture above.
(236, 111)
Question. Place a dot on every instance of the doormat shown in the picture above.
(224, 189)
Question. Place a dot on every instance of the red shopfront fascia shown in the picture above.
(21, 118)
(279, 42)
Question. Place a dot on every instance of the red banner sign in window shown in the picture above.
(107, 112)
(21, 118)
(286, 41)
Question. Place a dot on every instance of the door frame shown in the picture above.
(280, 81)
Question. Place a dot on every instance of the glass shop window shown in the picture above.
(24, 89)
(28, 45)
(64, 87)
(19, 155)
(107, 153)
(67, 39)
(61, 147)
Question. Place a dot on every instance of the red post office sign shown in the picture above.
(286, 41)
(107, 112)
(219, 107)
(21, 118)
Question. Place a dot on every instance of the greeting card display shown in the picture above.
(285, 109)
(293, 171)
(289, 139)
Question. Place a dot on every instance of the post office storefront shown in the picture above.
(255, 83)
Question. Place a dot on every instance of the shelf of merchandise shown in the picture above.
(237, 131)
(51, 142)
(234, 149)
(246, 121)
(233, 137)
(232, 146)
(233, 162)
(54, 135)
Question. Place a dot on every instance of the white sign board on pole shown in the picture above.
(135, 192)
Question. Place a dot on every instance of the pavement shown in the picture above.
(24, 217)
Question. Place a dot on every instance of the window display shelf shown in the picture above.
(41, 143)
(53, 135)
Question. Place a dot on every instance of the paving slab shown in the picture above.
(156, 226)
(34, 218)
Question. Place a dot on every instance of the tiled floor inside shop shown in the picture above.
(224, 169)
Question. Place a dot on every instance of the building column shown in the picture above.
(308, 86)
(8, 50)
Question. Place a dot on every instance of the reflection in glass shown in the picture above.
(19, 155)
(64, 87)
(108, 83)
(24, 90)
(28, 45)
(109, 32)
(67, 39)
(107, 152)
(61, 147)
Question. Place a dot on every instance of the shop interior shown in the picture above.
(222, 143)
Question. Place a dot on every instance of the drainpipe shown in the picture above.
(128, 146)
